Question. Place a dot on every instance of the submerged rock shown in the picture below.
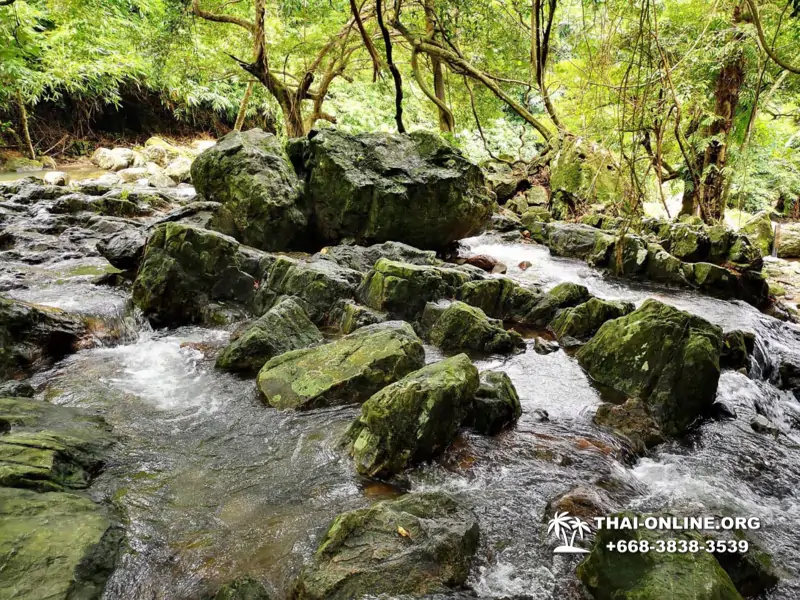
(612, 575)
(249, 173)
(319, 284)
(464, 327)
(403, 289)
(496, 404)
(633, 422)
(283, 328)
(582, 321)
(347, 371)
(375, 187)
(664, 356)
(737, 346)
(414, 419)
(418, 544)
(184, 269)
(54, 545)
(32, 336)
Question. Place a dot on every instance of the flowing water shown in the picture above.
(214, 485)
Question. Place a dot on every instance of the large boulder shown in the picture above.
(374, 187)
(318, 284)
(418, 544)
(582, 173)
(347, 316)
(414, 419)
(616, 575)
(54, 545)
(463, 327)
(185, 269)
(362, 258)
(403, 289)
(663, 356)
(115, 159)
(582, 321)
(283, 328)
(32, 336)
(788, 241)
(346, 371)
(760, 233)
(249, 173)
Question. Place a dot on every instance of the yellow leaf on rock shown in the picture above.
(403, 532)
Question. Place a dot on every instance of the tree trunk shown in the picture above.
(446, 121)
(293, 118)
(243, 107)
(26, 134)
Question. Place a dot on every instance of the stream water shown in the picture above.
(214, 485)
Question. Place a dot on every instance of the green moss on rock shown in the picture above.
(760, 233)
(185, 268)
(496, 405)
(562, 296)
(611, 575)
(346, 371)
(283, 328)
(582, 321)
(412, 188)
(663, 356)
(249, 173)
(464, 327)
(419, 544)
(414, 419)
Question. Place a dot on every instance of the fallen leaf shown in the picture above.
(403, 532)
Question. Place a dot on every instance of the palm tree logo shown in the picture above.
(567, 528)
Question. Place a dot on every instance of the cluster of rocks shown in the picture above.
(157, 164)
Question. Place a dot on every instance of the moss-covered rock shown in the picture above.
(249, 173)
(663, 356)
(499, 298)
(242, 589)
(743, 254)
(688, 243)
(49, 448)
(346, 371)
(414, 419)
(419, 544)
(375, 187)
(464, 327)
(579, 241)
(582, 321)
(534, 216)
(737, 346)
(123, 250)
(752, 572)
(562, 296)
(403, 289)
(361, 258)
(760, 233)
(54, 545)
(496, 404)
(612, 575)
(715, 280)
(788, 241)
(185, 268)
(632, 422)
(582, 173)
(347, 316)
(662, 267)
(33, 336)
(284, 327)
(319, 284)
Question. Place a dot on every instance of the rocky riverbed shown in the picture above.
(274, 387)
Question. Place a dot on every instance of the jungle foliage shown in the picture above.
(699, 96)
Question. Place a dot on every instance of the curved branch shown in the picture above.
(217, 18)
(7, 2)
(763, 42)
(398, 81)
(373, 52)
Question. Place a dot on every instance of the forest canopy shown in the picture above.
(701, 96)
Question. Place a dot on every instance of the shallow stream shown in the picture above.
(215, 485)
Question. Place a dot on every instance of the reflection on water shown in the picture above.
(215, 485)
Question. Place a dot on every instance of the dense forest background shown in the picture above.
(693, 97)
